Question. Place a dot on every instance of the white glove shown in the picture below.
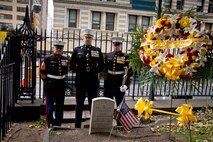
(123, 88)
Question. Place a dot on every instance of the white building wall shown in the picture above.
(85, 15)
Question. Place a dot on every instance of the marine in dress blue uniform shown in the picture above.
(53, 70)
(86, 61)
(116, 66)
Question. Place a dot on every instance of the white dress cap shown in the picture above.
(58, 43)
(117, 39)
(88, 32)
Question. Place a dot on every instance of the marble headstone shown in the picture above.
(102, 111)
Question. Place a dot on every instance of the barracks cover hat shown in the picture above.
(88, 32)
(117, 39)
(58, 43)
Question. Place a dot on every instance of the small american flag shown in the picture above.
(126, 117)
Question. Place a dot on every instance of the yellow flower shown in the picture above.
(155, 53)
(185, 58)
(146, 49)
(167, 21)
(154, 62)
(193, 57)
(184, 22)
(160, 22)
(149, 36)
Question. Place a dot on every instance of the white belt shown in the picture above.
(115, 72)
(55, 77)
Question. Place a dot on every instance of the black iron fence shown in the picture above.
(17, 71)
(7, 99)
(158, 87)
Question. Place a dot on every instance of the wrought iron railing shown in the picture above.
(7, 99)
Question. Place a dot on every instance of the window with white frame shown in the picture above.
(110, 20)
(72, 22)
(168, 3)
(132, 22)
(96, 20)
(180, 4)
(210, 9)
(145, 22)
(208, 26)
(200, 5)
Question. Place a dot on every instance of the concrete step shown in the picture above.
(69, 116)
(24, 110)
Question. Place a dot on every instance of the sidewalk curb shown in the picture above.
(46, 136)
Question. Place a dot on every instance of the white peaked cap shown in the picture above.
(117, 39)
(88, 32)
(58, 43)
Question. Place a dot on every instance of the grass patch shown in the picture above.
(40, 123)
(201, 131)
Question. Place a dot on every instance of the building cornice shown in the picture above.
(96, 3)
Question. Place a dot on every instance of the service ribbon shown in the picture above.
(169, 44)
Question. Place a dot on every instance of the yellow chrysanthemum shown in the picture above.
(150, 36)
(160, 22)
(154, 62)
(193, 57)
(184, 22)
(155, 53)
(185, 58)
(146, 49)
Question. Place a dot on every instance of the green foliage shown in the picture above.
(133, 55)
(142, 70)
(39, 123)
